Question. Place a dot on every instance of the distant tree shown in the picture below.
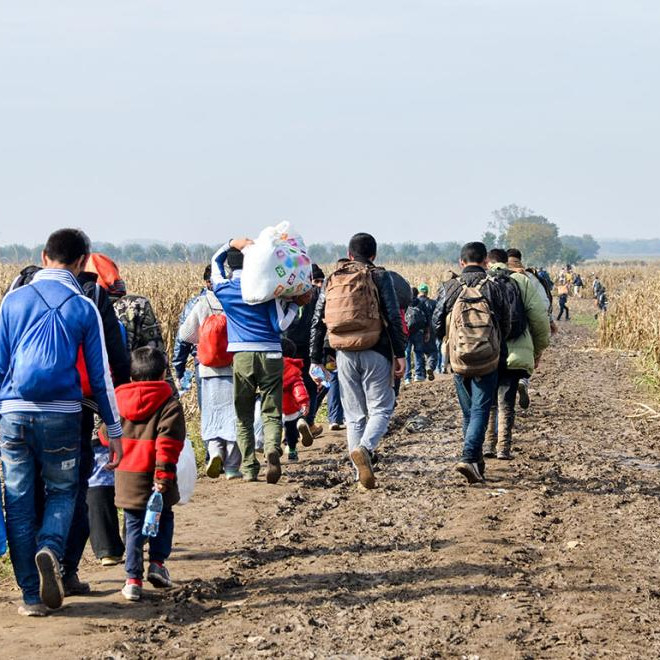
(503, 218)
(586, 245)
(489, 240)
(537, 238)
(569, 255)
(134, 252)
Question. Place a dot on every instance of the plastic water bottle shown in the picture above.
(152, 517)
(186, 381)
(317, 371)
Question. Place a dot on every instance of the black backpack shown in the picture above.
(415, 318)
(514, 300)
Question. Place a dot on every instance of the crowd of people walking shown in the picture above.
(91, 418)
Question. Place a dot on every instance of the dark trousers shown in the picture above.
(291, 434)
(160, 546)
(563, 307)
(79, 531)
(335, 409)
(104, 522)
(312, 391)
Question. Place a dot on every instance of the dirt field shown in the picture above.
(555, 556)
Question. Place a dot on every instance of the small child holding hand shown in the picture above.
(295, 401)
(154, 432)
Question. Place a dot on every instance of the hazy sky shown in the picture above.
(198, 120)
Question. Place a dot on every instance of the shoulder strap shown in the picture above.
(46, 302)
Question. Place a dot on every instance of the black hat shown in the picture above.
(317, 273)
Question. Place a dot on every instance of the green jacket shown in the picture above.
(525, 349)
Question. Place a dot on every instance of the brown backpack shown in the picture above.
(473, 336)
(352, 307)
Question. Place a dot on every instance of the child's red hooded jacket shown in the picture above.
(294, 392)
(154, 432)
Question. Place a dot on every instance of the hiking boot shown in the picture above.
(504, 454)
(523, 395)
(470, 471)
(110, 561)
(362, 460)
(306, 433)
(490, 452)
(74, 587)
(274, 469)
(430, 374)
(336, 426)
(32, 609)
(51, 590)
(293, 456)
(214, 467)
(158, 575)
(317, 430)
(132, 590)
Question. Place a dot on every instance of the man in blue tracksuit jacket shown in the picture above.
(254, 333)
(42, 436)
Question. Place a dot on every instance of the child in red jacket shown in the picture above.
(154, 432)
(295, 402)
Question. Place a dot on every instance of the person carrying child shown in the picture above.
(295, 401)
(154, 430)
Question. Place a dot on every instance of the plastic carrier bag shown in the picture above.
(186, 473)
(276, 266)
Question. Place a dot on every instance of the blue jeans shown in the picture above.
(431, 352)
(47, 444)
(415, 345)
(476, 397)
(160, 546)
(335, 409)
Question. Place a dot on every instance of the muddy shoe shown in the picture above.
(430, 374)
(504, 454)
(470, 471)
(362, 460)
(317, 430)
(74, 587)
(335, 426)
(214, 467)
(490, 452)
(523, 395)
(51, 590)
(250, 476)
(306, 435)
(274, 469)
(110, 561)
(132, 590)
(293, 456)
(33, 609)
(159, 576)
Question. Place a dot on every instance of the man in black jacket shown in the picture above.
(475, 395)
(365, 376)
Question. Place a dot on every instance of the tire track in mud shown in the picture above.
(554, 556)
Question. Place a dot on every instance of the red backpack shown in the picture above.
(213, 341)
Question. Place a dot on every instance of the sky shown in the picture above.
(202, 120)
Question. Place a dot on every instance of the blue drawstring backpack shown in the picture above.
(44, 350)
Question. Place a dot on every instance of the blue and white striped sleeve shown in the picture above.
(218, 273)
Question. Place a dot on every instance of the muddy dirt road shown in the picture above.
(555, 556)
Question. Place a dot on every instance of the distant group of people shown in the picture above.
(91, 419)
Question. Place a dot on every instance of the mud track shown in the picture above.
(555, 556)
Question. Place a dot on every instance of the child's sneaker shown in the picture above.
(293, 456)
(132, 590)
(158, 575)
(306, 436)
(214, 467)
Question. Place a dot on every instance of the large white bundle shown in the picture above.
(276, 266)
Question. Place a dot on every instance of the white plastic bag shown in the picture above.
(276, 266)
(186, 472)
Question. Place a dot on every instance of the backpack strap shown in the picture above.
(34, 288)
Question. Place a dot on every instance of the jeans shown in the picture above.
(160, 546)
(35, 443)
(503, 412)
(291, 434)
(312, 392)
(431, 352)
(335, 409)
(104, 522)
(416, 345)
(563, 307)
(475, 396)
(365, 385)
(258, 372)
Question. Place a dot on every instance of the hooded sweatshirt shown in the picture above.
(294, 392)
(154, 432)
